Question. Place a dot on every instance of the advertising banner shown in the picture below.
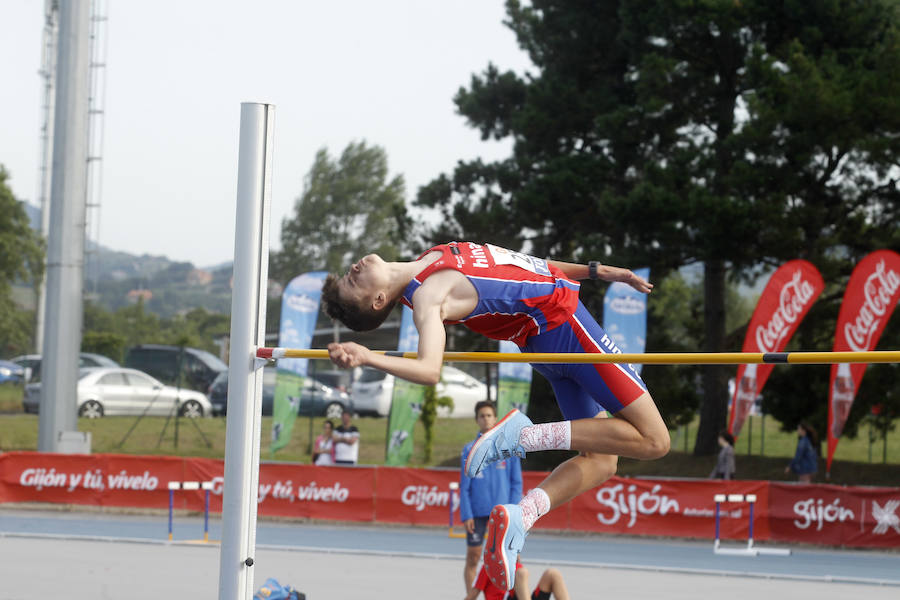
(834, 515)
(514, 383)
(787, 297)
(299, 311)
(785, 512)
(406, 401)
(625, 316)
(869, 300)
(670, 508)
(418, 496)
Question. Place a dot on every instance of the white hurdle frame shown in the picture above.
(248, 322)
(749, 549)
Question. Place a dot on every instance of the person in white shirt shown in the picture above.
(346, 442)
(323, 448)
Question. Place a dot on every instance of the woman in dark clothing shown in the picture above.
(805, 463)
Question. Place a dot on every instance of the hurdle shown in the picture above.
(189, 486)
(454, 493)
(658, 358)
(750, 549)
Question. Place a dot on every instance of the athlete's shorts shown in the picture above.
(582, 391)
(476, 538)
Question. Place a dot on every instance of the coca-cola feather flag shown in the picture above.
(871, 296)
(786, 299)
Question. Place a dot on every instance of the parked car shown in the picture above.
(12, 373)
(106, 391)
(32, 363)
(372, 391)
(198, 368)
(316, 397)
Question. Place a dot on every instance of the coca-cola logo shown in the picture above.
(878, 290)
(792, 301)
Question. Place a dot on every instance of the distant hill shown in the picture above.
(114, 279)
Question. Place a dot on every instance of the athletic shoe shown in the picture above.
(503, 543)
(499, 442)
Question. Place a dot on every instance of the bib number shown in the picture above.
(502, 256)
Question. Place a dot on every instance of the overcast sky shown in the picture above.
(336, 70)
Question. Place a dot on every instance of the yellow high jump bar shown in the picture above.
(661, 358)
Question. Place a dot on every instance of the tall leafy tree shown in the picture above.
(21, 259)
(349, 207)
(732, 134)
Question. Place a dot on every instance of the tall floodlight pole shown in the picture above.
(65, 253)
(48, 74)
(248, 329)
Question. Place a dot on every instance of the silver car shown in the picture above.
(118, 391)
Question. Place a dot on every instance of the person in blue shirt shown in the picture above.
(498, 483)
(805, 463)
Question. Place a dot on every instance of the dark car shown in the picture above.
(316, 398)
(178, 366)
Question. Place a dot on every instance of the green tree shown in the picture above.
(349, 207)
(736, 135)
(430, 404)
(21, 259)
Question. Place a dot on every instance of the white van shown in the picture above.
(372, 389)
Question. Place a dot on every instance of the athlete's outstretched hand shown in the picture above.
(348, 354)
(607, 273)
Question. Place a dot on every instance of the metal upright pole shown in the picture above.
(65, 253)
(248, 322)
(48, 73)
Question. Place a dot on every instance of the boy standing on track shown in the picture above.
(498, 483)
(533, 302)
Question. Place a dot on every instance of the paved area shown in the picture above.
(98, 555)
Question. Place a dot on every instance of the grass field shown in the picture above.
(206, 438)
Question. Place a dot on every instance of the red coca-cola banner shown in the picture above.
(871, 296)
(786, 299)
(821, 514)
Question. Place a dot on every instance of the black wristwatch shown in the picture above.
(592, 269)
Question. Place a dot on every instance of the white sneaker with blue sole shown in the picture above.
(499, 442)
(503, 543)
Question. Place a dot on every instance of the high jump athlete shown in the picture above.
(533, 302)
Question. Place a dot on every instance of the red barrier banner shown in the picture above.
(787, 297)
(416, 496)
(671, 508)
(821, 514)
(871, 296)
(833, 515)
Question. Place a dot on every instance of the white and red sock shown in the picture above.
(534, 505)
(546, 436)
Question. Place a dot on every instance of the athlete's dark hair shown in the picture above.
(356, 317)
(485, 404)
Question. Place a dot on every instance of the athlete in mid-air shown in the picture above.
(533, 302)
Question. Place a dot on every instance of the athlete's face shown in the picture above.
(364, 280)
(486, 418)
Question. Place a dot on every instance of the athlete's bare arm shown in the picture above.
(605, 273)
